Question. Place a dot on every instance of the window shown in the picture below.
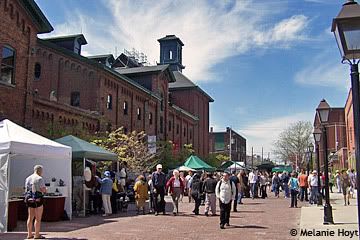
(170, 55)
(37, 71)
(7, 65)
(184, 132)
(150, 118)
(169, 125)
(77, 47)
(75, 99)
(126, 108)
(177, 129)
(190, 133)
(161, 124)
(109, 102)
(162, 102)
(139, 113)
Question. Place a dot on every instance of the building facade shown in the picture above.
(47, 86)
(336, 139)
(350, 134)
(219, 142)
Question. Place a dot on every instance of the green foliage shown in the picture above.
(131, 148)
(216, 159)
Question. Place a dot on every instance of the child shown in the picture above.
(141, 193)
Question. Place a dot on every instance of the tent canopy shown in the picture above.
(20, 150)
(281, 168)
(15, 139)
(232, 165)
(82, 149)
(196, 163)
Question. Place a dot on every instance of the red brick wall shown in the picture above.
(17, 31)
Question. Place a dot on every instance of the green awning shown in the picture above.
(82, 149)
(196, 163)
(281, 168)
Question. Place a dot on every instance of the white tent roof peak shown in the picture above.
(18, 140)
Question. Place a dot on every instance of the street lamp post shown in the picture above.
(317, 138)
(323, 111)
(346, 28)
(310, 150)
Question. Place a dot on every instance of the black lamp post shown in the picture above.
(317, 137)
(310, 151)
(323, 111)
(346, 28)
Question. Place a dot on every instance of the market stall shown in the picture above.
(83, 154)
(20, 150)
(196, 163)
(231, 166)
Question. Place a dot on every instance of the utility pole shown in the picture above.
(230, 144)
(262, 154)
(252, 157)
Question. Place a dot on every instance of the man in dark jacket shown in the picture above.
(234, 179)
(159, 183)
(210, 197)
(196, 191)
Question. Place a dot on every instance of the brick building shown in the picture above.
(56, 91)
(219, 143)
(350, 136)
(336, 139)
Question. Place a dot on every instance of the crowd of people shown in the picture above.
(202, 188)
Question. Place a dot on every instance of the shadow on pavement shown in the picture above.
(13, 236)
(251, 211)
(248, 226)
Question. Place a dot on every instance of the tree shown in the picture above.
(216, 159)
(131, 148)
(292, 142)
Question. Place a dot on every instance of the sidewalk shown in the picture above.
(345, 219)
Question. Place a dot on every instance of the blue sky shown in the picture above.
(266, 63)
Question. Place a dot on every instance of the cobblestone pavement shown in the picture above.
(257, 219)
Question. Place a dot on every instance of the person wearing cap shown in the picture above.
(225, 192)
(159, 184)
(106, 190)
(314, 186)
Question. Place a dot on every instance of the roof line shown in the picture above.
(98, 65)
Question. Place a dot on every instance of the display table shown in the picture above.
(53, 209)
(13, 213)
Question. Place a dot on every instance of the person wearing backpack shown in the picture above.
(35, 189)
(225, 192)
(294, 189)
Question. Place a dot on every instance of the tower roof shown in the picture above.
(170, 37)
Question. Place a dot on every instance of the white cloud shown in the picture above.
(325, 70)
(265, 132)
(211, 32)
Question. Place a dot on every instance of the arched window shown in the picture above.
(7, 65)
(150, 118)
(170, 55)
(75, 99)
(37, 71)
(109, 102)
(139, 113)
(126, 108)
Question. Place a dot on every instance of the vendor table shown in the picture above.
(53, 209)
(13, 213)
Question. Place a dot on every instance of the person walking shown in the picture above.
(176, 187)
(234, 179)
(209, 187)
(252, 181)
(303, 183)
(188, 179)
(338, 180)
(182, 177)
(35, 189)
(352, 182)
(159, 183)
(314, 187)
(241, 177)
(141, 193)
(284, 183)
(196, 192)
(276, 184)
(225, 192)
(151, 194)
(106, 190)
(263, 182)
(294, 189)
(345, 185)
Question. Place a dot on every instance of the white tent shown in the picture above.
(20, 150)
(236, 166)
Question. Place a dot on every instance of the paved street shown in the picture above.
(257, 219)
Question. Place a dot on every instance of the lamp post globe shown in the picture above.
(323, 111)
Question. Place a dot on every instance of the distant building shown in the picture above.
(350, 136)
(220, 143)
(336, 139)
